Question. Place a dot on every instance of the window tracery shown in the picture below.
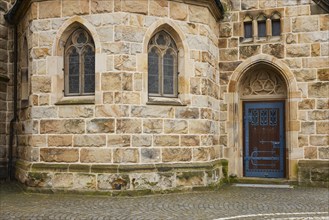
(162, 66)
(79, 64)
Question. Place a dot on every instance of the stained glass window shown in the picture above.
(79, 64)
(162, 66)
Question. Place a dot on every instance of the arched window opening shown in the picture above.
(79, 62)
(276, 24)
(261, 24)
(247, 25)
(162, 66)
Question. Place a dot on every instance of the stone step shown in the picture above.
(274, 181)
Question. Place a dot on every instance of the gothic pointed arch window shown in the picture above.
(162, 66)
(79, 63)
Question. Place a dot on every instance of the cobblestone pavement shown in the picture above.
(226, 203)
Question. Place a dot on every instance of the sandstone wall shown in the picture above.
(119, 125)
(6, 85)
(303, 51)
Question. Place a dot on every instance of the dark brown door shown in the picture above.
(264, 144)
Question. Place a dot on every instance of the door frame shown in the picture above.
(284, 156)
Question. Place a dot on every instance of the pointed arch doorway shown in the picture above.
(262, 92)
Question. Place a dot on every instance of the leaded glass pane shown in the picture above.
(153, 72)
(82, 38)
(276, 28)
(74, 70)
(89, 66)
(247, 29)
(261, 28)
(168, 74)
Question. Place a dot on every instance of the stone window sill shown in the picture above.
(76, 100)
(164, 101)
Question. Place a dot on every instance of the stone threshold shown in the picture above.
(277, 186)
(265, 181)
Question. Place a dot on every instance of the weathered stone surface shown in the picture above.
(112, 111)
(127, 97)
(178, 11)
(158, 8)
(229, 66)
(323, 74)
(176, 154)
(166, 140)
(201, 154)
(125, 155)
(49, 9)
(318, 115)
(324, 22)
(199, 127)
(116, 48)
(43, 112)
(315, 49)
(322, 127)
(75, 111)
(59, 140)
(228, 54)
(191, 113)
(190, 178)
(315, 62)
(198, 14)
(322, 104)
(111, 81)
(150, 155)
(307, 127)
(96, 155)
(108, 98)
(125, 62)
(276, 50)
(89, 141)
(152, 111)
(141, 140)
(118, 140)
(100, 125)
(307, 104)
(101, 6)
(65, 126)
(310, 153)
(113, 181)
(312, 37)
(105, 34)
(318, 90)
(63, 180)
(324, 153)
(129, 126)
(152, 126)
(59, 155)
(225, 29)
(305, 24)
(33, 141)
(303, 140)
(140, 6)
(249, 51)
(37, 179)
(41, 84)
(190, 140)
(84, 181)
(305, 75)
(129, 33)
(298, 50)
(175, 126)
(297, 11)
(318, 140)
(249, 4)
(78, 7)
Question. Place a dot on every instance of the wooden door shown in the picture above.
(264, 144)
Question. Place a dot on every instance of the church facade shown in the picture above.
(154, 95)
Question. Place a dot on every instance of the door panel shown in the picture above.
(264, 144)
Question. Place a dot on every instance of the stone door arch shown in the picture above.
(261, 78)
